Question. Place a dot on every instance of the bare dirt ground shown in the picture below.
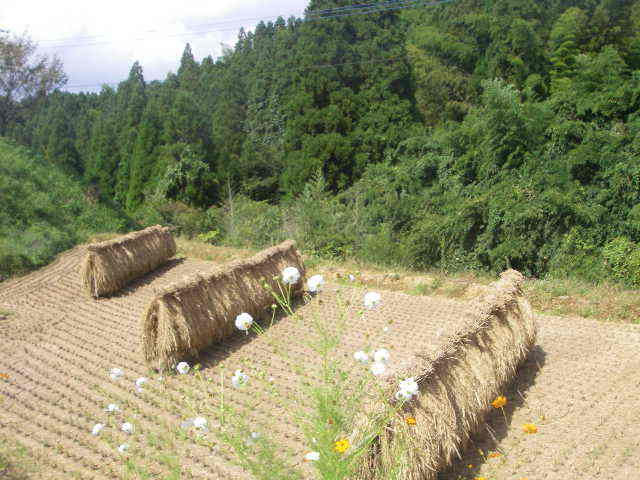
(580, 387)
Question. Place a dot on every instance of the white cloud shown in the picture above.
(113, 35)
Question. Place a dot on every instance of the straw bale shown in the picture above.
(457, 384)
(188, 316)
(111, 265)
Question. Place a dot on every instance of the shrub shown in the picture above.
(247, 223)
(187, 221)
(622, 259)
(44, 211)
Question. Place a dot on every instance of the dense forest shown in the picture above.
(468, 135)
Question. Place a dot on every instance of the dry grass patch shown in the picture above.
(572, 297)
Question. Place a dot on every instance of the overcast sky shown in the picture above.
(99, 41)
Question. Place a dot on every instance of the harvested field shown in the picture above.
(579, 386)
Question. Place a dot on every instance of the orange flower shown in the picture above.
(411, 420)
(480, 478)
(341, 446)
(529, 428)
(494, 455)
(499, 402)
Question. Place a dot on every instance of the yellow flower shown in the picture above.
(529, 428)
(480, 478)
(341, 446)
(499, 402)
(411, 420)
(494, 455)
(470, 465)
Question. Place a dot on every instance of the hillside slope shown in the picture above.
(43, 211)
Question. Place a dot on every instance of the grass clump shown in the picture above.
(44, 211)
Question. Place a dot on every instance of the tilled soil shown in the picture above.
(579, 387)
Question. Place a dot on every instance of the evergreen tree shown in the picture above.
(147, 145)
(130, 104)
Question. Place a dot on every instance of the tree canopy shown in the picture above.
(464, 135)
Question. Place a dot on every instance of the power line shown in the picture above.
(413, 3)
(361, 9)
(362, 6)
(202, 25)
(309, 14)
(143, 39)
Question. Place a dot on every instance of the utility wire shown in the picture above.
(361, 6)
(364, 9)
(309, 14)
(416, 3)
(202, 25)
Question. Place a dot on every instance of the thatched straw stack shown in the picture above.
(457, 385)
(191, 315)
(112, 264)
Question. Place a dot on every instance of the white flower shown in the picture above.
(123, 448)
(97, 428)
(183, 368)
(408, 389)
(381, 355)
(200, 423)
(290, 275)
(141, 381)
(112, 407)
(360, 356)
(115, 373)
(312, 457)
(244, 321)
(372, 299)
(127, 427)
(410, 386)
(378, 368)
(385, 329)
(352, 278)
(239, 379)
(403, 395)
(251, 440)
(315, 283)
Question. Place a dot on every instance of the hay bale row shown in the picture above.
(111, 265)
(457, 385)
(191, 315)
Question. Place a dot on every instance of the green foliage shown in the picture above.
(43, 211)
(622, 257)
(471, 135)
(209, 237)
(318, 220)
(249, 223)
(186, 220)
